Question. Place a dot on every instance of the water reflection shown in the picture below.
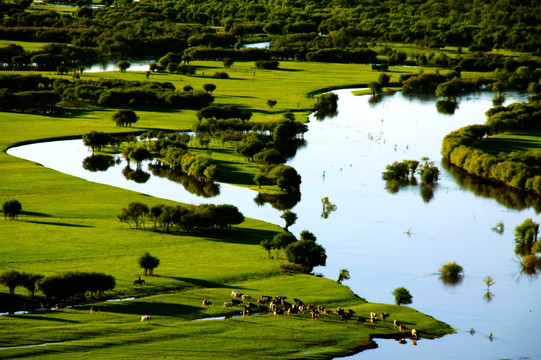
(506, 196)
(488, 296)
(98, 162)
(139, 176)
(203, 188)
(447, 107)
(279, 202)
(328, 208)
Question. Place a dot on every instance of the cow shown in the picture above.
(236, 294)
(396, 323)
(315, 314)
(228, 304)
(206, 303)
(245, 297)
(414, 333)
(327, 311)
(361, 320)
(384, 316)
(145, 318)
(278, 312)
(236, 302)
(138, 282)
(60, 306)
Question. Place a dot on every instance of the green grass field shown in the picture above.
(512, 141)
(69, 224)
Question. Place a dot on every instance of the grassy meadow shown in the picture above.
(512, 141)
(69, 224)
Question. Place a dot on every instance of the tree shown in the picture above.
(307, 236)
(123, 65)
(135, 212)
(209, 88)
(125, 118)
(526, 238)
(11, 209)
(451, 273)
(384, 79)
(271, 103)
(489, 282)
(148, 263)
(344, 275)
(429, 173)
(140, 154)
(290, 218)
(267, 245)
(228, 62)
(375, 87)
(11, 279)
(29, 281)
(307, 254)
(97, 140)
(402, 296)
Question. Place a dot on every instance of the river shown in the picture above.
(389, 240)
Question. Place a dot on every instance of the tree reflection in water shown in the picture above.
(279, 202)
(139, 176)
(96, 163)
(200, 187)
(509, 197)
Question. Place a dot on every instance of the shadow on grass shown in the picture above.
(153, 309)
(37, 214)
(56, 224)
(497, 145)
(199, 282)
(34, 317)
(239, 236)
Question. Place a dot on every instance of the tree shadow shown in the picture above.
(57, 224)
(37, 214)
(200, 282)
(43, 318)
(152, 308)
(239, 236)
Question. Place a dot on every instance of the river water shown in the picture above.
(389, 240)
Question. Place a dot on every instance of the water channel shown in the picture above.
(389, 240)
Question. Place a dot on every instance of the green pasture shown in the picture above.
(171, 333)
(512, 141)
(27, 45)
(69, 224)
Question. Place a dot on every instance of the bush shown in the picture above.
(451, 272)
(267, 64)
(221, 75)
(402, 296)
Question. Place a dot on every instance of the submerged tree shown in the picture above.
(290, 218)
(526, 238)
(328, 207)
(451, 273)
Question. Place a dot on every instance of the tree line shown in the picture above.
(186, 218)
(26, 92)
(59, 287)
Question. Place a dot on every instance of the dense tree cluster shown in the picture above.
(26, 92)
(11, 209)
(181, 217)
(464, 148)
(73, 284)
(59, 287)
(305, 253)
(328, 30)
(13, 279)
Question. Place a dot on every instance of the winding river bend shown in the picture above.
(390, 240)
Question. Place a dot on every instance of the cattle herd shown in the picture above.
(279, 305)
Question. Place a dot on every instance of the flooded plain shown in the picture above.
(389, 240)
